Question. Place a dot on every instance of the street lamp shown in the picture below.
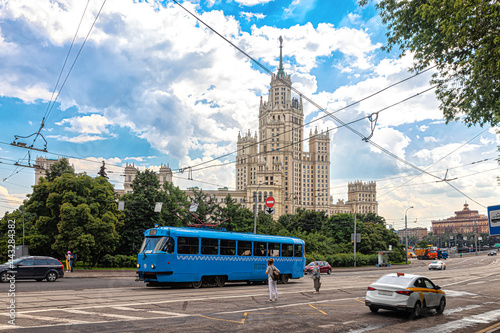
(255, 208)
(406, 233)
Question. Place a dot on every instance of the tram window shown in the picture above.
(244, 248)
(187, 245)
(259, 249)
(298, 250)
(168, 246)
(287, 250)
(209, 246)
(274, 249)
(227, 247)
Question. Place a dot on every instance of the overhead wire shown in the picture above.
(50, 106)
(366, 139)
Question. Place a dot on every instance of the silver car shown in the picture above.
(405, 292)
(437, 264)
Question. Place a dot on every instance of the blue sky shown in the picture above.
(152, 86)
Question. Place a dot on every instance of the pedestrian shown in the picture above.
(272, 279)
(316, 276)
(72, 260)
(68, 261)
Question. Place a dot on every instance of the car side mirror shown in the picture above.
(438, 287)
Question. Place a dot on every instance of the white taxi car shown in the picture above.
(437, 264)
(405, 292)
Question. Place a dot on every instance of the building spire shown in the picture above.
(281, 72)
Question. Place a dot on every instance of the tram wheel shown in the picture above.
(220, 281)
(197, 284)
(284, 278)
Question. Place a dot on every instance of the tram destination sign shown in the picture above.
(494, 220)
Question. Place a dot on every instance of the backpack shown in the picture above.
(276, 274)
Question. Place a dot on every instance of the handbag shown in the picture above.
(276, 274)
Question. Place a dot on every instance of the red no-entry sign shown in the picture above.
(270, 202)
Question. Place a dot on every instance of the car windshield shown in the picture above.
(157, 244)
(435, 262)
(401, 281)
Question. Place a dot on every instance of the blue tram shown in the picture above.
(212, 257)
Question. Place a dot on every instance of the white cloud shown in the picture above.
(93, 124)
(423, 128)
(82, 138)
(428, 139)
(248, 16)
(252, 2)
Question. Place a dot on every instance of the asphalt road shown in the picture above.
(110, 302)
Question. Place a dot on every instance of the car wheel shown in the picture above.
(373, 309)
(284, 278)
(429, 268)
(329, 271)
(442, 305)
(4, 277)
(417, 311)
(51, 276)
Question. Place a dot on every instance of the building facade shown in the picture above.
(419, 233)
(465, 221)
(163, 175)
(42, 164)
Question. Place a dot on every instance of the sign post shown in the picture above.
(270, 204)
(494, 220)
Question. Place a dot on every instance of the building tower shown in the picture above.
(362, 197)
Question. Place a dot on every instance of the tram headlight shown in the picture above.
(153, 266)
(138, 265)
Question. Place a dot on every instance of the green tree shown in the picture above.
(139, 211)
(76, 213)
(59, 168)
(462, 38)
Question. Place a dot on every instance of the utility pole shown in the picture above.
(255, 208)
(355, 238)
(406, 233)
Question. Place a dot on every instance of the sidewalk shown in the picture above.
(100, 273)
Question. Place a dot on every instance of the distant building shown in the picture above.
(163, 175)
(419, 232)
(464, 222)
(42, 165)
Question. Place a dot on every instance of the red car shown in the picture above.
(324, 267)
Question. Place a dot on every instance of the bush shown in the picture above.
(118, 261)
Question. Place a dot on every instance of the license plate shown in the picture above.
(385, 293)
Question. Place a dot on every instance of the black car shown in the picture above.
(492, 253)
(37, 268)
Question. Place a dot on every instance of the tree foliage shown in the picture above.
(462, 38)
(75, 213)
(58, 169)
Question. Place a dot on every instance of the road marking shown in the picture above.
(317, 309)
(483, 318)
(362, 301)
(66, 320)
(242, 321)
(489, 329)
(284, 306)
(122, 308)
(174, 314)
(465, 308)
(477, 282)
(111, 315)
